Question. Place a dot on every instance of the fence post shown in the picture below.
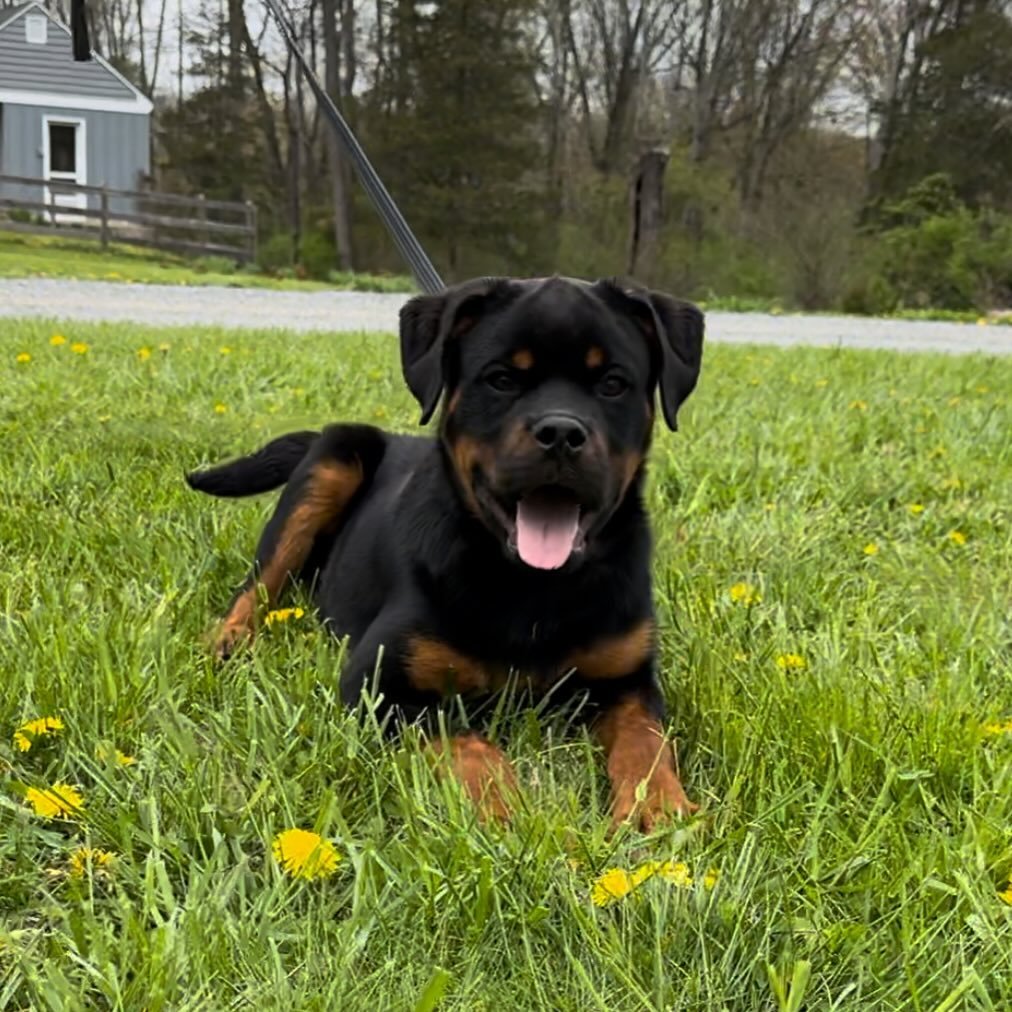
(205, 236)
(251, 224)
(105, 217)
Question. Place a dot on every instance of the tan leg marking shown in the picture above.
(636, 751)
(484, 772)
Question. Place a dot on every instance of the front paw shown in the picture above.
(661, 799)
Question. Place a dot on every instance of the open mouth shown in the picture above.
(545, 527)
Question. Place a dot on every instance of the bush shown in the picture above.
(930, 249)
(215, 265)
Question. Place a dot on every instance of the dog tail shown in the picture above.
(268, 468)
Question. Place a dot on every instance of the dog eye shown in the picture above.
(502, 380)
(613, 385)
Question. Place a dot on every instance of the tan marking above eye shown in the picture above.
(523, 358)
(595, 357)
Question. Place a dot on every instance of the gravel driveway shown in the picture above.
(170, 305)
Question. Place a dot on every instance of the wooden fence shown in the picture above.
(166, 221)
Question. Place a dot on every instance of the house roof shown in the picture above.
(35, 95)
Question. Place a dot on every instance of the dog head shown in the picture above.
(549, 398)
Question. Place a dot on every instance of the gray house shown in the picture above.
(61, 120)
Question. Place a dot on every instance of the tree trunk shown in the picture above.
(647, 200)
(340, 177)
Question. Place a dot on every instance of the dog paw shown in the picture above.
(662, 800)
(485, 773)
(229, 638)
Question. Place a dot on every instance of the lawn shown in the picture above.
(833, 590)
(24, 256)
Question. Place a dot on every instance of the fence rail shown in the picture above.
(166, 221)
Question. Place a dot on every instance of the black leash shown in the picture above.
(411, 249)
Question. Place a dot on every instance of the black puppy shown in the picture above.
(515, 545)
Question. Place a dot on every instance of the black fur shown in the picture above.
(266, 469)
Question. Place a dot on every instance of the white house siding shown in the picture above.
(118, 147)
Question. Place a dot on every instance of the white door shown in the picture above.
(64, 158)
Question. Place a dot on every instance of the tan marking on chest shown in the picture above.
(435, 666)
(614, 656)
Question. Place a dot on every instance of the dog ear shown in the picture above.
(429, 323)
(675, 329)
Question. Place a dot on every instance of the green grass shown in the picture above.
(859, 816)
(23, 256)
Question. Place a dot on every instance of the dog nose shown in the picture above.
(561, 433)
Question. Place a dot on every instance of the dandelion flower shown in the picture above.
(741, 656)
(57, 339)
(956, 537)
(303, 854)
(610, 887)
(143, 354)
(27, 733)
(916, 508)
(104, 753)
(225, 350)
(23, 358)
(711, 878)
(790, 662)
(744, 593)
(79, 348)
(283, 615)
(820, 383)
(164, 347)
(100, 861)
(982, 389)
(871, 548)
(220, 409)
(675, 872)
(981, 321)
(953, 401)
(996, 727)
(950, 485)
(58, 801)
(858, 405)
(1006, 894)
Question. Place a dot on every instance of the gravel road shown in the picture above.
(169, 305)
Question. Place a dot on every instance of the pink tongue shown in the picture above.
(546, 530)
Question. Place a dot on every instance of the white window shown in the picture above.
(35, 29)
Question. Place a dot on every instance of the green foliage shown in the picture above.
(855, 808)
(930, 249)
(215, 265)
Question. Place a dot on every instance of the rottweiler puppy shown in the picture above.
(515, 544)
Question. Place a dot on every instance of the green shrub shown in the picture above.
(215, 265)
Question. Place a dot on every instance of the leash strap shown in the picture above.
(410, 248)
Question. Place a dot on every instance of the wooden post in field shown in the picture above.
(105, 217)
(647, 213)
(202, 216)
(251, 224)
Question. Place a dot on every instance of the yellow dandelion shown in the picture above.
(79, 348)
(57, 339)
(27, 733)
(144, 354)
(711, 878)
(104, 418)
(871, 548)
(950, 484)
(820, 383)
(225, 350)
(769, 507)
(981, 321)
(380, 412)
(956, 537)
(303, 854)
(675, 872)
(916, 508)
(996, 727)
(1006, 894)
(375, 374)
(938, 451)
(23, 358)
(611, 886)
(740, 656)
(744, 593)
(220, 409)
(754, 381)
(104, 753)
(858, 405)
(58, 801)
(790, 662)
(99, 861)
(982, 389)
(283, 615)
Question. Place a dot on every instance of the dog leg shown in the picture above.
(487, 776)
(313, 504)
(637, 753)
